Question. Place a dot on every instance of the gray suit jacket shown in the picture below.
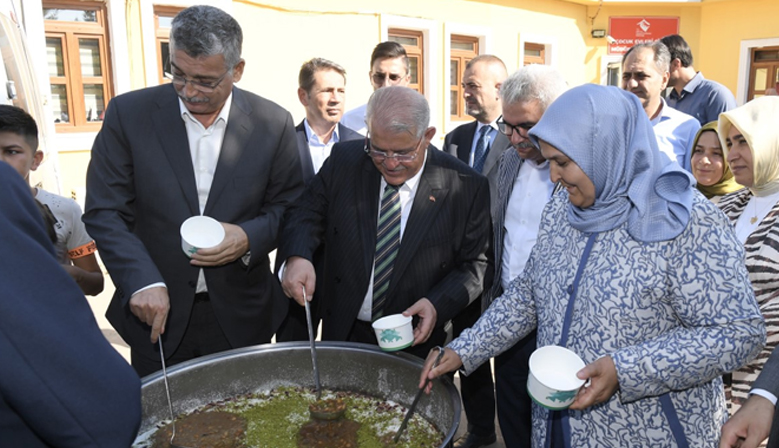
(141, 187)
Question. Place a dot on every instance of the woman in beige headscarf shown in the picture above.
(750, 137)
(709, 166)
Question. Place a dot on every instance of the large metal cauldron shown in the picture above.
(342, 366)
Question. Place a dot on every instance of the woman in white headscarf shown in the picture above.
(637, 273)
(750, 138)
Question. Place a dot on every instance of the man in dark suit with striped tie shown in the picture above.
(479, 144)
(405, 228)
(524, 188)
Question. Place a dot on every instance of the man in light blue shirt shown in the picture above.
(693, 94)
(645, 74)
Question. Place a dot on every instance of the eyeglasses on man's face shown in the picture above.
(400, 156)
(205, 87)
(508, 129)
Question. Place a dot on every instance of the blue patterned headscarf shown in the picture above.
(606, 132)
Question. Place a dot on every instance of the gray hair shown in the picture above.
(398, 109)
(309, 69)
(202, 31)
(535, 82)
(662, 56)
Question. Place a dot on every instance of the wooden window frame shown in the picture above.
(461, 58)
(162, 36)
(773, 72)
(413, 51)
(541, 60)
(69, 34)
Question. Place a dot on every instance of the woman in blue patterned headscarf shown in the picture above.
(637, 273)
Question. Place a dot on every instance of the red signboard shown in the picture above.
(628, 31)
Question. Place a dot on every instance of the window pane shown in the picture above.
(767, 55)
(761, 75)
(54, 56)
(405, 40)
(454, 71)
(89, 52)
(165, 56)
(413, 64)
(69, 15)
(613, 76)
(532, 52)
(93, 100)
(164, 22)
(59, 103)
(459, 45)
(453, 98)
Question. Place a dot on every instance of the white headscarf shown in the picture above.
(758, 121)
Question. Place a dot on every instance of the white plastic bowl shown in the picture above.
(552, 382)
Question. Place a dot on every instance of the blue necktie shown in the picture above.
(482, 148)
(387, 244)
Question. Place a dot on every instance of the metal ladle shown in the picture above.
(416, 399)
(311, 337)
(167, 392)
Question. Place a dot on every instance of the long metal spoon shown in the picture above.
(167, 392)
(416, 399)
(313, 346)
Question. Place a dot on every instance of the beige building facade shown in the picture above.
(85, 52)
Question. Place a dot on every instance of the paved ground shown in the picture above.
(100, 303)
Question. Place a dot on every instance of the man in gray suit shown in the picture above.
(431, 260)
(480, 145)
(756, 419)
(524, 188)
(196, 146)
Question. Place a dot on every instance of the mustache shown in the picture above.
(193, 99)
(524, 145)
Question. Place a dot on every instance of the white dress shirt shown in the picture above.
(319, 151)
(407, 193)
(204, 147)
(532, 190)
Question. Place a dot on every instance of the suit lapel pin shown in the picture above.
(432, 198)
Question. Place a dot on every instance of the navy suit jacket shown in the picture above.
(141, 187)
(61, 382)
(442, 255)
(344, 134)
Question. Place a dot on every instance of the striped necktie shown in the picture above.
(387, 243)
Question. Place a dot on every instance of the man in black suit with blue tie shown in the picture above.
(434, 209)
(480, 145)
(322, 91)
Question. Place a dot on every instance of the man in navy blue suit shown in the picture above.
(61, 382)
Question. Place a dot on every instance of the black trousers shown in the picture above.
(203, 336)
(514, 404)
(477, 389)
